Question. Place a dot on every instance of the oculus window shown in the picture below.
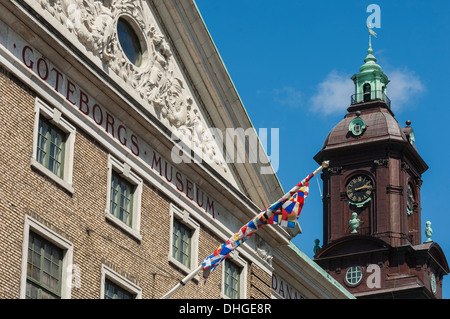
(129, 41)
(353, 276)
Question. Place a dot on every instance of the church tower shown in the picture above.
(372, 235)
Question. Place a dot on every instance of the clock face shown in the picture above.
(412, 137)
(433, 283)
(359, 189)
(410, 199)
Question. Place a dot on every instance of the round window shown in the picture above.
(353, 276)
(129, 41)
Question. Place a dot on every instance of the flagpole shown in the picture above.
(303, 182)
(182, 282)
(282, 199)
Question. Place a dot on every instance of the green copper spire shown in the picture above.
(370, 60)
(371, 82)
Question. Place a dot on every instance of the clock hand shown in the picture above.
(363, 187)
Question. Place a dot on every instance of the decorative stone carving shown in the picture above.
(382, 162)
(263, 250)
(405, 166)
(419, 182)
(337, 170)
(158, 81)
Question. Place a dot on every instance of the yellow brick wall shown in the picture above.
(259, 283)
(79, 217)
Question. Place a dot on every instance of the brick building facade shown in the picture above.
(93, 202)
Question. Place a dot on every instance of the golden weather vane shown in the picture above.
(371, 33)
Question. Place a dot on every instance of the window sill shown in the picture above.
(183, 268)
(113, 219)
(44, 170)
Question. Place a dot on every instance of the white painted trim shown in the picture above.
(55, 117)
(108, 273)
(125, 172)
(184, 218)
(67, 266)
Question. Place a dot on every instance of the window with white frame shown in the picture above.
(234, 277)
(46, 263)
(124, 192)
(53, 145)
(182, 243)
(44, 269)
(183, 251)
(114, 286)
(121, 200)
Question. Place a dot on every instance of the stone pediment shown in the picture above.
(157, 82)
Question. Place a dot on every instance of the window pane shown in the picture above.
(43, 269)
(54, 282)
(113, 291)
(50, 148)
(47, 265)
(42, 142)
(31, 291)
(35, 273)
(48, 252)
(181, 249)
(121, 204)
(232, 280)
(46, 295)
(36, 259)
(45, 279)
(55, 270)
(55, 152)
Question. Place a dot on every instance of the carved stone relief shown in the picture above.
(263, 250)
(158, 80)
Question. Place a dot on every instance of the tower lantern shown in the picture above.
(370, 82)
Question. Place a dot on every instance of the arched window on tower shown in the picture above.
(367, 91)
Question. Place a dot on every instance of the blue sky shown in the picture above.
(291, 62)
